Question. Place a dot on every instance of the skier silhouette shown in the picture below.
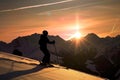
(43, 47)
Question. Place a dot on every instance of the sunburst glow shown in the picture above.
(77, 35)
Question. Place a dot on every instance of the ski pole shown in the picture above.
(56, 53)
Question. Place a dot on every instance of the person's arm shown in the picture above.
(50, 42)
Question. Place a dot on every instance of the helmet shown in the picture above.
(45, 32)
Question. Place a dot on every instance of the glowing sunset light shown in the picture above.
(67, 18)
(77, 35)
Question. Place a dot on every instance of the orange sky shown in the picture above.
(59, 18)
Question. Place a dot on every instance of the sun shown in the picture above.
(77, 35)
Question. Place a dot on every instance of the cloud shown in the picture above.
(63, 9)
(35, 6)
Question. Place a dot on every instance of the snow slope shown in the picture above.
(14, 67)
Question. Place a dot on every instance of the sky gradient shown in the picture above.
(59, 17)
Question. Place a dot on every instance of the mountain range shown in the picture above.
(99, 56)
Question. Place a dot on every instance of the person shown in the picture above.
(43, 47)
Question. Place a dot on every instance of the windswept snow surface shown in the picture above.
(14, 67)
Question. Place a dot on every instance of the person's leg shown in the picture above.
(46, 58)
(43, 60)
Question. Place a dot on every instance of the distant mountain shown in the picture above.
(91, 53)
(5, 47)
(29, 46)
